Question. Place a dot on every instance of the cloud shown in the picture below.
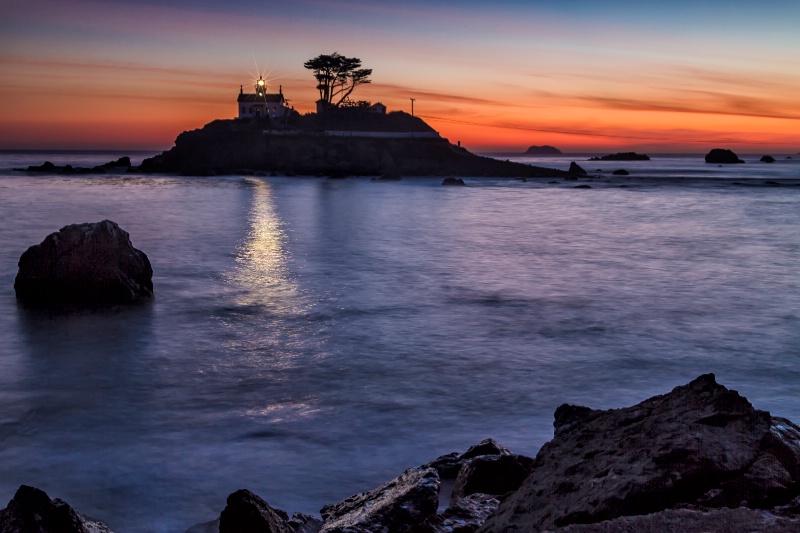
(437, 96)
(714, 103)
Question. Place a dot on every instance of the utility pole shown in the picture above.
(412, 106)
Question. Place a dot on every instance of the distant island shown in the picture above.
(543, 150)
(622, 156)
(335, 143)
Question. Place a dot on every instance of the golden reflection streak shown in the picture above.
(261, 260)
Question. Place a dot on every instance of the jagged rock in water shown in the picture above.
(248, 513)
(620, 172)
(453, 181)
(700, 444)
(84, 265)
(406, 504)
(575, 168)
(32, 511)
(767, 159)
(722, 156)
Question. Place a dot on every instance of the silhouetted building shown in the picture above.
(261, 103)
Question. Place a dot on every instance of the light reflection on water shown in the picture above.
(311, 338)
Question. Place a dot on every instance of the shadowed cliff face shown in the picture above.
(230, 146)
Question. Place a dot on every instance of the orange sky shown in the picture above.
(134, 74)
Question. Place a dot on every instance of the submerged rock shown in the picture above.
(32, 510)
(700, 444)
(453, 181)
(722, 156)
(84, 265)
(620, 172)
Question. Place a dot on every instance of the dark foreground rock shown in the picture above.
(248, 513)
(683, 520)
(722, 156)
(84, 265)
(700, 458)
(701, 444)
(408, 503)
(32, 511)
(622, 156)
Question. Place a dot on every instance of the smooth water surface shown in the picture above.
(313, 338)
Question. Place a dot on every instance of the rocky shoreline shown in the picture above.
(699, 458)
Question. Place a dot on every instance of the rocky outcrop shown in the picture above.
(248, 513)
(32, 511)
(453, 181)
(622, 156)
(407, 503)
(575, 168)
(491, 474)
(687, 520)
(50, 168)
(228, 146)
(542, 150)
(722, 156)
(767, 159)
(701, 444)
(621, 172)
(699, 458)
(84, 265)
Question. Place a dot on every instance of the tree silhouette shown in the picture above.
(337, 76)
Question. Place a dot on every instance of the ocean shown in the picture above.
(312, 338)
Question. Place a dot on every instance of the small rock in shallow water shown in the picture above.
(84, 265)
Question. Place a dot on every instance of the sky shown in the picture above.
(584, 76)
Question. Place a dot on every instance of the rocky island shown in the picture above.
(339, 142)
(543, 150)
(699, 458)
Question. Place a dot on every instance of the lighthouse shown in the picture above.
(261, 103)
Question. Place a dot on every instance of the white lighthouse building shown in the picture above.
(261, 103)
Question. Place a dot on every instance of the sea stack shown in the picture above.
(722, 156)
(542, 150)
